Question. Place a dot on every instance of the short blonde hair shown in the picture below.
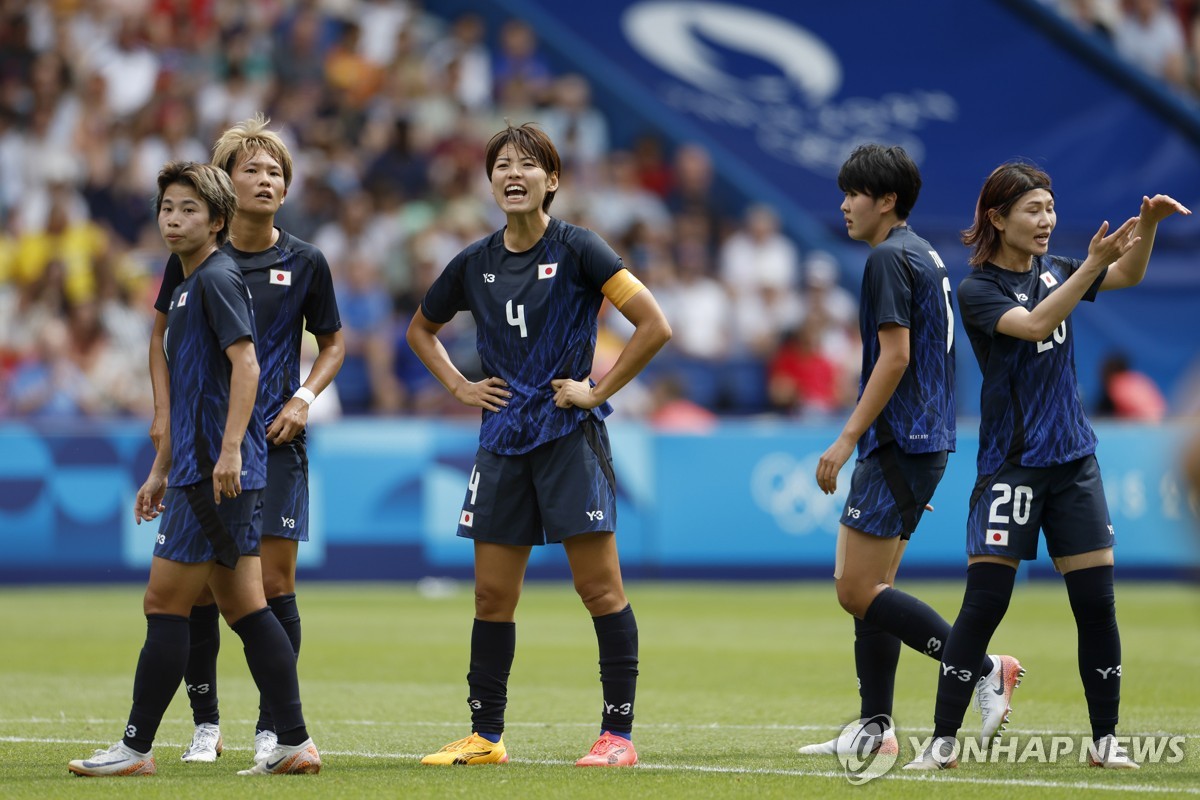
(247, 138)
(211, 184)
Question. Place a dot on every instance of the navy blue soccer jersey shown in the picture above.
(208, 312)
(292, 289)
(1031, 411)
(535, 315)
(906, 283)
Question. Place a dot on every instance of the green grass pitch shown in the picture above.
(733, 678)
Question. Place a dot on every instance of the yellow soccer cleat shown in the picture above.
(469, 751)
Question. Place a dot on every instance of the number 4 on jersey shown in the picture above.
(516, 320)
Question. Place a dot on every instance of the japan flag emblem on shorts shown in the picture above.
(466, 518)
(281, 277)
(547, 270)
(997, 538)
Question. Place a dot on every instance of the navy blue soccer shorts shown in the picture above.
(1066, 501)
(889, 490)
(194, 529)
(559, 489)
(285, 500)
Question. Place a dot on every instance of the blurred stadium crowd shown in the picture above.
(386, 107)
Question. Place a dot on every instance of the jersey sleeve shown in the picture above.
(320, 304)
(446, 297)
(172, 277)
(982, 303)
(1072, 266)
(227, 306)
(889, 282)
(597, 260)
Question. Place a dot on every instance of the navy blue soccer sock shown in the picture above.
(989, 588)
(1093, 601)
(159, 672)
(285, 610)
(915, 622)
(617, 636)
(493, 645)
(273, 665)
(200, 676)
(876, 654)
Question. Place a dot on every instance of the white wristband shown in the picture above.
(306, 395)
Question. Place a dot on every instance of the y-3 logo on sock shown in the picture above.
(625, 709)
(198, 688)
(964, 675)
(474, 704)
(1114, 671)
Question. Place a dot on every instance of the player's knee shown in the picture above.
(601, 597)
(853, 598)
(492, 603)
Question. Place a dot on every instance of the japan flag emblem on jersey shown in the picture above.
(281, 278)
(1049, 280)
(547, 270)
(466, 518)
(997, 538)
(182, 299)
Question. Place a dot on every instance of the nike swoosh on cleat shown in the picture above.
(1000, 691)
(464, 757)
(271, 767)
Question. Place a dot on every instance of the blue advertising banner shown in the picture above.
(739, 502)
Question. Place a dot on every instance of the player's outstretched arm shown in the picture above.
(1036, 324)
(1130, 268)
(490, 393)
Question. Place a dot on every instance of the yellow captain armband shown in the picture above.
(620, 287)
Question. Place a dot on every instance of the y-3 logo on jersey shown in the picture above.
(489, 277)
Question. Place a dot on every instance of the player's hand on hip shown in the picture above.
(1157, 208)
(569, 393)
(830, 464)
(490, 393)
(290, 421)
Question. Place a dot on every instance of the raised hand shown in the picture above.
(1105, 250)
(1156, 209)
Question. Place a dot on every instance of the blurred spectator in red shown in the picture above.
(654, 172)
(801, 380)
(1128, 394)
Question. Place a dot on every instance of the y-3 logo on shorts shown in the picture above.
(162, 538)
(595, 516)
(853, 513)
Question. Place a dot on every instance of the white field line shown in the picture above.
(800, 773)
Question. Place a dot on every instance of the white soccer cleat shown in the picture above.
(846, 745)
(264, 745)
(118, 760)
(942, 753)
(1107, 753)
(993, 696)
(301, 759)
(206, 745)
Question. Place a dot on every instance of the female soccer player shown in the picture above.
(543, 472)
(904, 428)
(216, 468)
(1036, 463)
(292, 289)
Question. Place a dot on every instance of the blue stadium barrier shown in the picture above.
(740, 502)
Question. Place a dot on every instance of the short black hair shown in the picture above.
(875, 170)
